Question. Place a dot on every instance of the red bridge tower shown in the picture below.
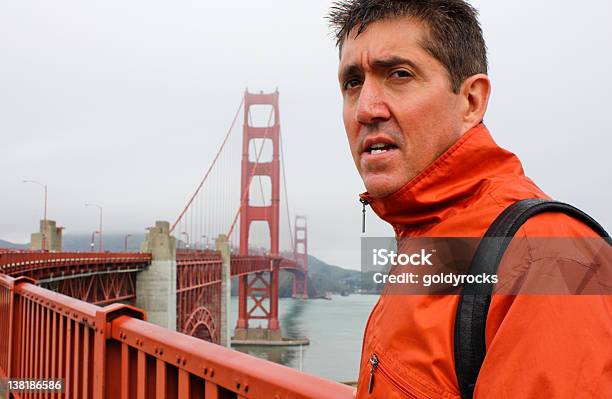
(300, 280)
(264, 285)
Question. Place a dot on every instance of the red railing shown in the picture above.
(112, 352)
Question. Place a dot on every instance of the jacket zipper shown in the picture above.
(364, 202)
(375, 366)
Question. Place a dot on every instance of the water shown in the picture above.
(335, 329)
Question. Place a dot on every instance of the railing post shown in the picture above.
(226, 288)
(107, 361)
(15, 326)
(7, 294)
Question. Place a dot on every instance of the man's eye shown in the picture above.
(401, 73)
(351, 84)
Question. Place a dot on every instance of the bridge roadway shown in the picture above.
(111, 351)
(104, 278)
(46, 267)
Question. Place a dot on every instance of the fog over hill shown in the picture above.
(6, 244)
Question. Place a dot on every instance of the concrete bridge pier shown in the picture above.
(48, 238)
(156, 285)
(222, 245)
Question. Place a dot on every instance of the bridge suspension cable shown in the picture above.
(207, 174)
(286, 193)
(216, 205)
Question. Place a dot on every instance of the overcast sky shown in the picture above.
(124, 103)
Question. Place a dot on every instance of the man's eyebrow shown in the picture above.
(390, 62)
(381, 63)
(350, 70)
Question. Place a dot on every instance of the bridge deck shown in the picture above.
(61, 265)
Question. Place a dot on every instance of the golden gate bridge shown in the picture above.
(154, 324)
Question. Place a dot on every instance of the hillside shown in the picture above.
(6, 244)
(330, 278)
(322, 279)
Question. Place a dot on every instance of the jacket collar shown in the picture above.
(447, 184)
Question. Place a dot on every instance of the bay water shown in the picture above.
(335, 330)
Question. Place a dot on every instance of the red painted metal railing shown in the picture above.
(111, 352)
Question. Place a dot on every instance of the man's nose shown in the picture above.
(371, 106)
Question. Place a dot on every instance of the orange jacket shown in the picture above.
(537, 346)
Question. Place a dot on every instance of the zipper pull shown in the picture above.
(363, 211)
(373, 367)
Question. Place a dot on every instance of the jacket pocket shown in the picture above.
(383, 382)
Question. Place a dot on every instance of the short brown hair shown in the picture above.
(455, 36)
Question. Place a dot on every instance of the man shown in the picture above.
(413, 76)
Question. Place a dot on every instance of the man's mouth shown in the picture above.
(380, 148)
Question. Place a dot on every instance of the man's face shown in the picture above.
(399, 111)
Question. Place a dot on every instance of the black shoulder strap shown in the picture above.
(473, 307)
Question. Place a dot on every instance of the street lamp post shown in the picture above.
(100, 228)
(44, 232)
(186, 242)
(125, 242)
(91, 244)
(206, 237)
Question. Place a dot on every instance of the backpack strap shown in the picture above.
(471, 317)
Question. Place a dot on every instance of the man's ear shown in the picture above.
(475, 92)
